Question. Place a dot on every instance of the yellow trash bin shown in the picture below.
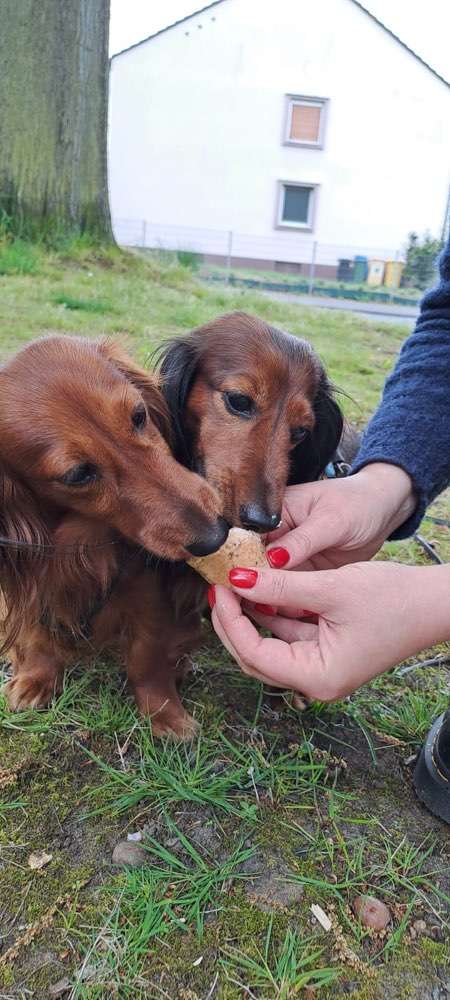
(393, 273)
(376, 272)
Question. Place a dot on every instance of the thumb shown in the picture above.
(320, 531)
(282, 588)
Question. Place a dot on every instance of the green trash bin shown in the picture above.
(360, 270)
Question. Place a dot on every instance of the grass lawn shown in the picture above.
(269, 812)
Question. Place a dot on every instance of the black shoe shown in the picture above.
(432, 771)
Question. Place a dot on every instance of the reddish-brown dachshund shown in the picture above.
(88, 488)
(252, 411)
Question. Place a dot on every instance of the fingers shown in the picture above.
(281, 588)
(272, 660)
(287, 629)
(316, 534)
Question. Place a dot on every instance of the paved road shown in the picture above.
(378, 312)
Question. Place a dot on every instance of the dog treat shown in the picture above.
(242, 548)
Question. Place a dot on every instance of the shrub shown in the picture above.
(189, 259)
(421, 255)
(17, 256)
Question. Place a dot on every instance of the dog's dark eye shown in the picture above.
(139, 417)
(237, 402)
(80, 475)
(298, 434)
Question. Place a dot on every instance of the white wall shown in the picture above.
(197, 117)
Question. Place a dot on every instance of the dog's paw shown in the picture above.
(181, 727)
(166, 714)
(29, 691)
(300, 702)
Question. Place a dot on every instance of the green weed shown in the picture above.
(18, 257)
(277, 971)
(170, 893)
(87, 305)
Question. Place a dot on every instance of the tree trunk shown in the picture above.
(53, 116)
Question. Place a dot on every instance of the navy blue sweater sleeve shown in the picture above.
(411, 427)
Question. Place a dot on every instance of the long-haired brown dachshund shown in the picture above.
(252, 411)
(88, 487)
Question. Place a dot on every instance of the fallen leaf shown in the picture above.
(39, 859)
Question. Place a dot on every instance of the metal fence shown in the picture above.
(277, 251)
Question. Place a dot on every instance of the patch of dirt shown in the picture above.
(270, 890)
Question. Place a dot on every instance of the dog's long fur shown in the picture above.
(73, 556)
(249, 460)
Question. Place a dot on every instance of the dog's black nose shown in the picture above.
(211, 539)
(257, 518)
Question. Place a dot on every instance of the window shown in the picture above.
(305, 121)
(296, 204)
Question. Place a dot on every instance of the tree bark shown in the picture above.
(54, 71)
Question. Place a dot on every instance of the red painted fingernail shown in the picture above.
(265, 609)
(211, 596)
(278, 557)
(243, 577)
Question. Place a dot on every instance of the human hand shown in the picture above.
(370, 617)
(333, 522)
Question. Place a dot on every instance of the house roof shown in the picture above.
(168, 27)
(400, 42)
(356, 3)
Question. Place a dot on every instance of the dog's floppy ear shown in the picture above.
(144, 380)
(23, 535)
(178, 361)
(311, 457)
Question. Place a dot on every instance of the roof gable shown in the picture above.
(356, 3)
(162, 31)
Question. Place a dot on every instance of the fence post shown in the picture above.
(229, 251)
(144, 232)
(312, 268)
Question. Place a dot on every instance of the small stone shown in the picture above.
(58, 989)
(412, 933)
(372, 912)
(126, 853)
(136, 837)
(171, 842)
(420, 926)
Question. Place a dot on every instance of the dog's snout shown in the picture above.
(210, 540)
(255, 517)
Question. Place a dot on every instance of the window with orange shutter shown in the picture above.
(305, 121)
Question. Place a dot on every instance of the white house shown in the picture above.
(276, 130)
